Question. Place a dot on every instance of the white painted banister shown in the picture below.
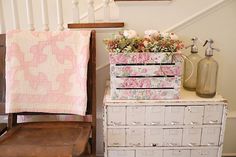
(91, 16)
(60, 20)
(2, 22)
(76, 15)
(45, 20)
(30, 17)
(16, 23)
(106, 10)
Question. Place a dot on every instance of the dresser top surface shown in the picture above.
(185, 97)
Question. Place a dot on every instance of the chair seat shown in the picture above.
(46, 139)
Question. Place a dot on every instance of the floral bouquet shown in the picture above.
(128, 41)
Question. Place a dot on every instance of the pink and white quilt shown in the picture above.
(47, 71)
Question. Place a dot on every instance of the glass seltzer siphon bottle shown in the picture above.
(207, 73)
(190, 67)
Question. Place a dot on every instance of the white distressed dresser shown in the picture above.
(188, 127)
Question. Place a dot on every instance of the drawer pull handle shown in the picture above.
(135, 144)
(136, 123)
(211, 144)
(172, 144)
(174, 123)
(192, 144)
(213, 121)
(155, 123)
(194, 123)
(117, 123)
(115, 144)
(154, 144)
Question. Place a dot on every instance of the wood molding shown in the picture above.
(96, 25)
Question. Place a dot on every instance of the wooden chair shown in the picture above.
(3, 126)
(54, 139)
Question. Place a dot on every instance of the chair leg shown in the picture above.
(89, 148)
(12, 120)
(3, 128)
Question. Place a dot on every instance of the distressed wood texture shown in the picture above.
(147, 70)
(150, 83)
(2, 73)
(145, 75)
(143, 58)
(187, 127)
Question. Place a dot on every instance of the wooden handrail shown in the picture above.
(96, 25)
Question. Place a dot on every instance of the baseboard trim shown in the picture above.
(232, 114)
(229, 154)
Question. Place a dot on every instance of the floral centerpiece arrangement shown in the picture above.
(128, 41)
(144, 67)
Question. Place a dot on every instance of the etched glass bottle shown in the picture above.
(207, 73)
(190, 67)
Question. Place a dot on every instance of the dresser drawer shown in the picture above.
(116, 115)
(135, 137)
(193, 115)
(192, 137)
(155, 115)
(213, 114)
(210, 136)
(205, 153)
(172, 137)
(154, 137)
(121, 153)
(116, 137)
(149, 153)
(174, 115)
(136, 115)
(176, 153)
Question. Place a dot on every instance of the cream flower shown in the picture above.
(118, 36)
(151, 33)
(130, 34)
(165, 34)
(173, 36)
(145, 43)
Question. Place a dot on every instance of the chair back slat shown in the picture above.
(2, 73)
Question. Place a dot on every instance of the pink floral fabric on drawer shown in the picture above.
(47, 71)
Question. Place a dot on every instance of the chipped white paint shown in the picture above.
(190, 125)
(30, 17)
(60, 20)
(16, 23)
(76, 15)
(45, 20)
(106, 10)
(91, 15)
